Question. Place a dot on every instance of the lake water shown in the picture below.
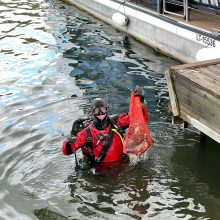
(54, 60)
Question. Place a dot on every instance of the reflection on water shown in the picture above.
(54, 60)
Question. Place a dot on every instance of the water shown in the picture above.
(54, 60)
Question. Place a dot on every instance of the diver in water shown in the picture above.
(101, 140)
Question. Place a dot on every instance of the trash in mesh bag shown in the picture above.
(138, 138)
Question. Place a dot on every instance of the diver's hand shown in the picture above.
(139, 92)
(77, 126)
(71, 139)
(80, 124)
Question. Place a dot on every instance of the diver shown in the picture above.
(101, 139)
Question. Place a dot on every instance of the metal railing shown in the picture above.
(181, 3)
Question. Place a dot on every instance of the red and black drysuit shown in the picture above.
(92, 147)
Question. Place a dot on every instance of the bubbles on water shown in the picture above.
(134, 159)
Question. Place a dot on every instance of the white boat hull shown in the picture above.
(180, 41)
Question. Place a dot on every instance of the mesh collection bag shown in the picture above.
(138, 138)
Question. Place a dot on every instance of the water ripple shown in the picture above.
(54, 61)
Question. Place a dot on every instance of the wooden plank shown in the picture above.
(201, 96)
(195, 65)
(199, 78)
(209, 121)
(197, 108)
(205, 83)
(197, 89)
(172, 94)
(208, 73)
(197, 102)
(215, 69)
(185, 109)
(202, 127)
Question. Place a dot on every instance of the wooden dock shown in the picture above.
(194, 91)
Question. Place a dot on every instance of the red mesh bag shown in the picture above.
(138, 138)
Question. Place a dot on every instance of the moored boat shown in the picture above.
(189, 31)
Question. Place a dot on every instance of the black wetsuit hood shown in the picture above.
(97, 123)
(100, 125)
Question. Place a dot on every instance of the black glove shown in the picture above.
(71, 139)
(77, 126)
(139, 92)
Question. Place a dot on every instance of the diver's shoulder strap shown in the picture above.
(106, 146)
(89, 135)
(114, 121)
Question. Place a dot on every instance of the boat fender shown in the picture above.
(207, 54)
(120, 19)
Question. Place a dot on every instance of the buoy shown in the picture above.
(120, 19)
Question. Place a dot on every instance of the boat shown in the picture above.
(187, 30)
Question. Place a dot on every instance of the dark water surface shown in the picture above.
(54, 60)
